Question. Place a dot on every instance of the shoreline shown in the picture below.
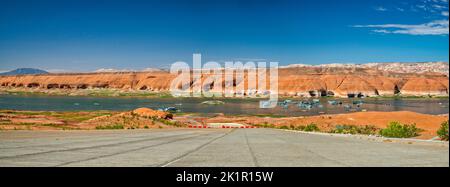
(99, 120)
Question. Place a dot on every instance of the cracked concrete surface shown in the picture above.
(209, 147)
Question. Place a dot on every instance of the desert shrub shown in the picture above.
(368, 129)
(265, 125)
(300, 128)
(116, 126)
(344, 129)
(283, 127)
(352, 129)
(398, 130)
(311, 127)
(168, 122)
(443, 131)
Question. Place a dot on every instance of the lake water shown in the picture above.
(231, 106)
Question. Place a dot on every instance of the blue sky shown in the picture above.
(86, 35)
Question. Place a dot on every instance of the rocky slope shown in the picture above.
(293, 81)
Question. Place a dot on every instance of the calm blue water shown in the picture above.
(235, 106)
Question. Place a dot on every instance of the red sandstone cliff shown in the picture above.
(292, 81)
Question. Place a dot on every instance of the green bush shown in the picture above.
(169, 122)
(398, 130)
(116, 126)
(283, 127)
(265, 125)
(443, 131)
(300, 128)
(311, 127)
(352, 129)
(368, 129)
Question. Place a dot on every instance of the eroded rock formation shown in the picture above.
(306, 82)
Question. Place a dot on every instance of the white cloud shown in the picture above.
(437, 1)
(439, 7)
(427, 6)
(380, 8)
(438, 27)
(381, 31)
(445, 13)
(423, 7)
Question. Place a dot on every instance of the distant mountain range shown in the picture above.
(24, 71)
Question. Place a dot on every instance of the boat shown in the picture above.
(347, 107)
(168, 109)
(332, 102)
(267, 104)
(305, 105)
(358, 102)
(285, 102)
(213, 102)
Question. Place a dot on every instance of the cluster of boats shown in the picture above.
(303, 104)
(309, 104)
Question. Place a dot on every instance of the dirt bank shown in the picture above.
(42, 120)
(32, 120)
(429, 123)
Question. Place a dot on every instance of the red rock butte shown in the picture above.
(293, 81)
